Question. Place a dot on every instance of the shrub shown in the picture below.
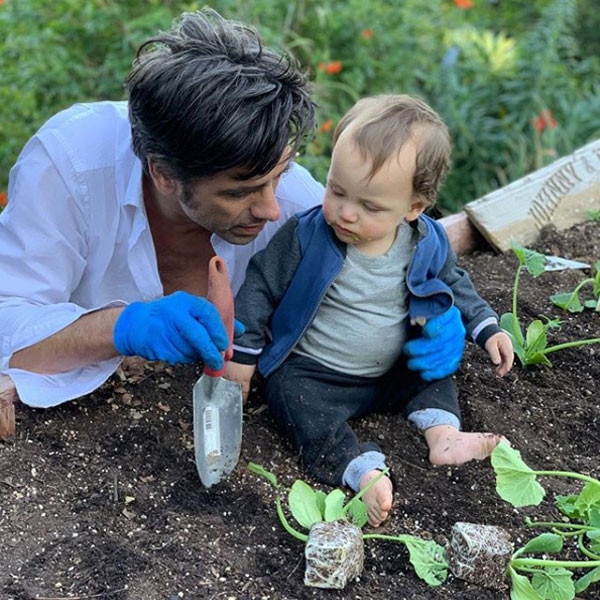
(515, 81)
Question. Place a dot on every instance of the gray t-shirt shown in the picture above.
(360, 326)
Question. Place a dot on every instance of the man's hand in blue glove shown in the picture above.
(439, 351)
(180, 328)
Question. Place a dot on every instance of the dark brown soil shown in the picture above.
(100, 498)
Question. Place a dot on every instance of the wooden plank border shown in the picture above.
(463, 235)
(8, 398)
(562, 194)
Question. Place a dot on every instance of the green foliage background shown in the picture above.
(489, 70)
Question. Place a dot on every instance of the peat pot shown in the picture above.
(480, 554)
(334, 554)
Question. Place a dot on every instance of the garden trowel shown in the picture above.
(218, 401)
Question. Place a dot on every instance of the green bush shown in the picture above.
(517, 82)
(55, 53)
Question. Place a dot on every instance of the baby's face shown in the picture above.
(366, 212)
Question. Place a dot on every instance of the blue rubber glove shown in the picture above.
(180, 328)
(439, 351)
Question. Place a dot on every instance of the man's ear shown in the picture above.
(416, 208)
(164, 183)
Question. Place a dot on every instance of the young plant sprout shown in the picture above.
(309, 506)
(593, 215)
(532, 347)
(571, 301)
(483, 554)
(544, 578)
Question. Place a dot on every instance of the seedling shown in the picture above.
(542, 578)
(572, 302)
(532, 348)
(309, 506)
(593, 215)
(533, 576)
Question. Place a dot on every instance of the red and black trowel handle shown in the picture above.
(219, 293)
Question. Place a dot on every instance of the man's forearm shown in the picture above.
(87, 340)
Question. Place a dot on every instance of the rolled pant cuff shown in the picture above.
(430, 417)
(359, 466)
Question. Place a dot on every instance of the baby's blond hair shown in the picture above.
(381, 125)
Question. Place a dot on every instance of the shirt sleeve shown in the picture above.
(480, 319)
(43, 246)
(267, 279)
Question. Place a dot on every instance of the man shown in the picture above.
(115, 208)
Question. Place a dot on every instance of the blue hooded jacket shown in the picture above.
(286, 282)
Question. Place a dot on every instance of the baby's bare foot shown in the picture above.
(449, 446)
(378, 497)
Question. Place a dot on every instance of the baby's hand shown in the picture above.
(241, 374)
(500, 348)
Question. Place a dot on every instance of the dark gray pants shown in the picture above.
(313, 405)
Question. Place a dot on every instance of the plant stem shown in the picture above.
(369, 485)
(293, 532)
(571, 345)
(584, 550)
(516, 327)
(556, 525)
(543, 562)
(570, 474)
(383, 536)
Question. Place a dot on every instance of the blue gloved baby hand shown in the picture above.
(179, 328)
(439, 351)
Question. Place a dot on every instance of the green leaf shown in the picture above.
(556, 584)
(515, 481)
(303, 504)
(538, 358)
(334, 505)
(536, 339)
(593, 535)
(553, 323)
(584, 582)
(567, 301)
(521, 588)
(551, 543)
(428, 559)
(507, 322)
(262, 472)
(566, 505)
(283, 520)
(533, 261)
(588, 499)
(357, 512)
(584, 506)
(320, 498)
(513, 329)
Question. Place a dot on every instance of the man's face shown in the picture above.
(235, 209)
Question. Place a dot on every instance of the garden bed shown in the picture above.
(100, 498)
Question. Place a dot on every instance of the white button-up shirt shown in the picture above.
(74, 238)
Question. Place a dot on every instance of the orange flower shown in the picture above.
(545, 120)
(464, 4)
(3, 198)
(331, 68)
(366, 34)
(326, 126)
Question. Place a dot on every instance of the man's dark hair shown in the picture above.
(208, 96)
